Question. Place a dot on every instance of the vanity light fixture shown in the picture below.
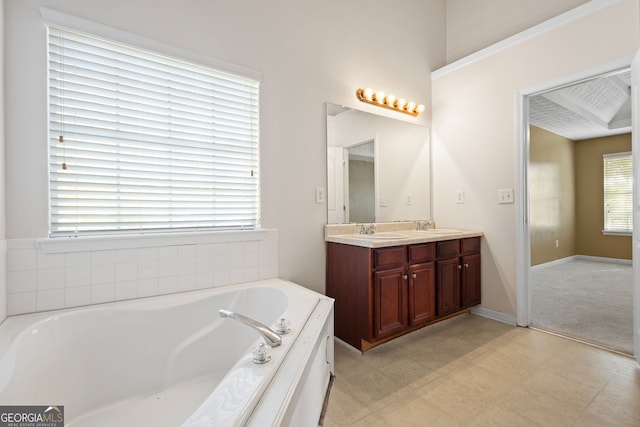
(389, 101)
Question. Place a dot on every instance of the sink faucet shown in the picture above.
(367, 229)
(272, 338)
(423, 225)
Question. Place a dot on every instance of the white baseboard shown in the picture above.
(584, 257)
(494, 315)
(604, 259)
(554, 262)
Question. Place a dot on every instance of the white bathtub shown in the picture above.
(172, 360)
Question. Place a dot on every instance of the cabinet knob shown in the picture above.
(414, 275)
(459, 267)
(466, 265)
(405, 277)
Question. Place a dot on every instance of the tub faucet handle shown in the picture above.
(283, 326)
(261, 354)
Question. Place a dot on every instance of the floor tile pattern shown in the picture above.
(473, 371)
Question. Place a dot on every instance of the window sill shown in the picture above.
(617, 233)
(98, 243)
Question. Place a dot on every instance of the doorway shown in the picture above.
(360, 182)
(351, 180)
(551, 240)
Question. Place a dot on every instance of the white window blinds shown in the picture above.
(618, 192)
(142, 142)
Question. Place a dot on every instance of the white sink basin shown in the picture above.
(440, 231)
(381, 236)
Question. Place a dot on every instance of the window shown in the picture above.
(618, 194)
(142, 142)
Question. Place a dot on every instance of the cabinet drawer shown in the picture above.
(470, 246)
(395, 256)
(421, 253)
(447, 248)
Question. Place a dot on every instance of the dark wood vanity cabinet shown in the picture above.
(458, 283)
(422, 293)
(470, 277)
(390, 302)
(448, 287)
(381, 293)
(403, 288)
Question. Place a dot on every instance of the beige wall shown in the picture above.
(475, 133)
(475, 24)
(590, 198)
(566, 197)
(552, 190)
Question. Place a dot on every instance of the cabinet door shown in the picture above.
(390, 302)
(448, 286)
(470, 285)
(422, 293)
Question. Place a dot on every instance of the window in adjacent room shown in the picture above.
(142, 142)
(618, 193)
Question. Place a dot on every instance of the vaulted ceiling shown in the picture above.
(594, 108)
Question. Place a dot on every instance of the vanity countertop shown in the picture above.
(395, 236)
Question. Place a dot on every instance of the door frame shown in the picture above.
(523, 243)
(635, 152)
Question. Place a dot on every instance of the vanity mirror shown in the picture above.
(378, 168)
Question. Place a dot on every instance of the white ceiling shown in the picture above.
(591, 109)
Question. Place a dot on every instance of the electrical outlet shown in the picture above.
(505, 196)
(409, 200)
(459, 196)
(319, 195)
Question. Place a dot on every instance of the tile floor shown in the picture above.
(473, 371)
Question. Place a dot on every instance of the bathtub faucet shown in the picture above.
(272, 338)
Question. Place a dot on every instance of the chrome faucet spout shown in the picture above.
(272, 338)
(367, 229)
(423, 225)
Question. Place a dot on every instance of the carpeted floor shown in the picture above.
(587, 300)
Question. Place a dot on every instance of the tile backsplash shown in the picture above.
(39, 280)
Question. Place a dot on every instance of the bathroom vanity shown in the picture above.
(390, 283)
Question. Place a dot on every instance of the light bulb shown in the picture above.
(368, 93)
(390, 99)
(379, 97)
(400, 103)
(420, 108)
(411, 106)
